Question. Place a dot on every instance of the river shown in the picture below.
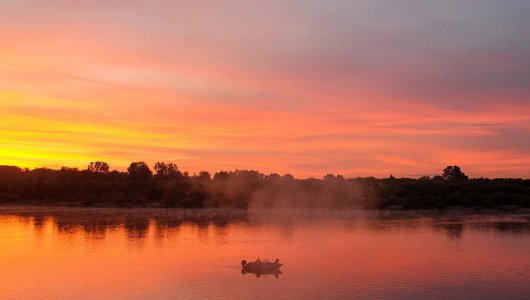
(71, 253)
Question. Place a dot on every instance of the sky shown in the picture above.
(358, 88)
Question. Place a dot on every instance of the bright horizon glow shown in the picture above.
(358, 88)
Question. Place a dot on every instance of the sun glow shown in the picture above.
(295, 94)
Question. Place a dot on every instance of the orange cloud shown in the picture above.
(264, 98)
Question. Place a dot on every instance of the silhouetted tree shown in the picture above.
(223, 175)
(139, 171)
(205, 175)
(288, 177)
(167, 170)
(454, 173)
(244, 188)
(9, 171)
(274, 177)
(329, 178)
(98, 167)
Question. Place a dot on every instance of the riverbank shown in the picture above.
(248, 189)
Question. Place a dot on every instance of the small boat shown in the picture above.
(258, 267)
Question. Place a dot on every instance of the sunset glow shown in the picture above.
(358, 88)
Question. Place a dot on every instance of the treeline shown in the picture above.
(167, 186)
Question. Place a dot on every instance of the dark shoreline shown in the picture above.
(17, 207)
(243, 189)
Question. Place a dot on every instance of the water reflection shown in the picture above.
(137, 222)
(452, 230)
(196, 254)
(258, 273)
(512, 227)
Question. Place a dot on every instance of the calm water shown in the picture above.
(177, 254)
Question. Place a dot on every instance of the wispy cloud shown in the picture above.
(353, 87)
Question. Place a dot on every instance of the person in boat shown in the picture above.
(259, 266)
(266, 261)
(259, 263)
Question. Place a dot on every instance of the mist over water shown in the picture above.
(195, 254)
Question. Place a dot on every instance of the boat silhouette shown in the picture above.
(259, 268)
